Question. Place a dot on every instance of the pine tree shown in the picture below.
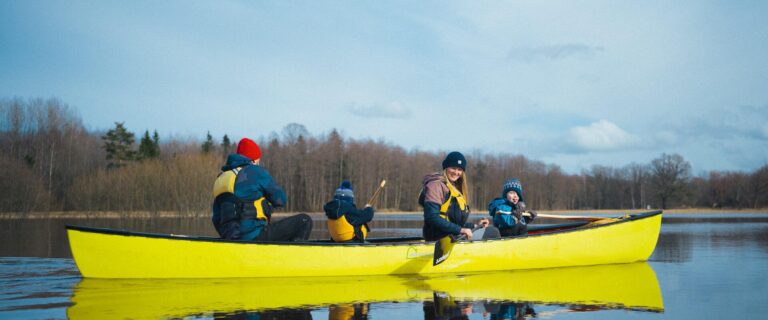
(208, 144)
(226, 145)
(148, 148)
(118, 143)
(156, 144)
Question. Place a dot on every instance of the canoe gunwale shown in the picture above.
(395, 241)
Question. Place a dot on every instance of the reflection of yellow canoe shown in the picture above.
(612, 285)
(104, 253)
(616, 286)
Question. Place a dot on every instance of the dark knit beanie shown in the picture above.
(512, 185)
(455, 160)
(344, 192)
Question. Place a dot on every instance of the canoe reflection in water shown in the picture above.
(623, 286)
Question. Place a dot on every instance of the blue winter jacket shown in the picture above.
(506, 214)
(252, 183)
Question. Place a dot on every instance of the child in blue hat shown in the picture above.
(347, 223)
(507, 211)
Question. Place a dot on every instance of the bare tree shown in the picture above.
(669, 177)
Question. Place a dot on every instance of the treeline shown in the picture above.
(50, 162)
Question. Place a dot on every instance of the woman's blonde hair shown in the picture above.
(461, 184)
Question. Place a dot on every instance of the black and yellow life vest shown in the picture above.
(454, 194)
(341, 230)
(225, 184)
(454, 197)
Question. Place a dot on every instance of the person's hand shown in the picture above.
(466, 232)
(529, 216)
(518, 213)
(367, 205)
(466, 310)
(483, 222)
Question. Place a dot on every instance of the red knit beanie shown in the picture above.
(248, 148)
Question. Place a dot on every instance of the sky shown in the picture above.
(571, 83)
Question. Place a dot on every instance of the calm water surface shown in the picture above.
(705, 267)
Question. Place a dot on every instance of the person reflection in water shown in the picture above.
(444, 307)
(357, 311)
(508, 310)
(287, 314)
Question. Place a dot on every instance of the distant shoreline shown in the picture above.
(173, 214)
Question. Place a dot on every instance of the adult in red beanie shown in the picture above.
(244, 196)
(248, 148)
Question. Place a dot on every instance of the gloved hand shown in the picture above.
(518, 213)
(530, 215)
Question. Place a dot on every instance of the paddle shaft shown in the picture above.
(374, 197)
(566, 217)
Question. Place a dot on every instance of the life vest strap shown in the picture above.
(255, 209)
(454, 194)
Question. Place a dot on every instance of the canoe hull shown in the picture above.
(101, 253)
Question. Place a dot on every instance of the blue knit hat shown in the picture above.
(455, 160)
(344, 192)
(513, 185)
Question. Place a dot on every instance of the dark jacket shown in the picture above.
(434, 194)
(337, 208)
(252, 183)
(225, 219)
(507, 214)
(358, 218)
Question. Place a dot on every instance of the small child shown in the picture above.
(507, 211)
(346, 223)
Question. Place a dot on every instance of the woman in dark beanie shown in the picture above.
(444, 200)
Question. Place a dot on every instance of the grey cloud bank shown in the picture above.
(609, 84)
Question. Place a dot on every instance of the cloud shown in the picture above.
(554, 52)
(393, 110)
(601, 136)
(735, 123)
(765, 131)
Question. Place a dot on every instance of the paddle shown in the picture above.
(593, 220)
(374, 197)
(567, 217)
(443, 248)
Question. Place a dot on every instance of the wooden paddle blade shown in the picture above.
(373, 199)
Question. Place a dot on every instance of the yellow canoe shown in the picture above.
(628, 286)
(107, 253)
